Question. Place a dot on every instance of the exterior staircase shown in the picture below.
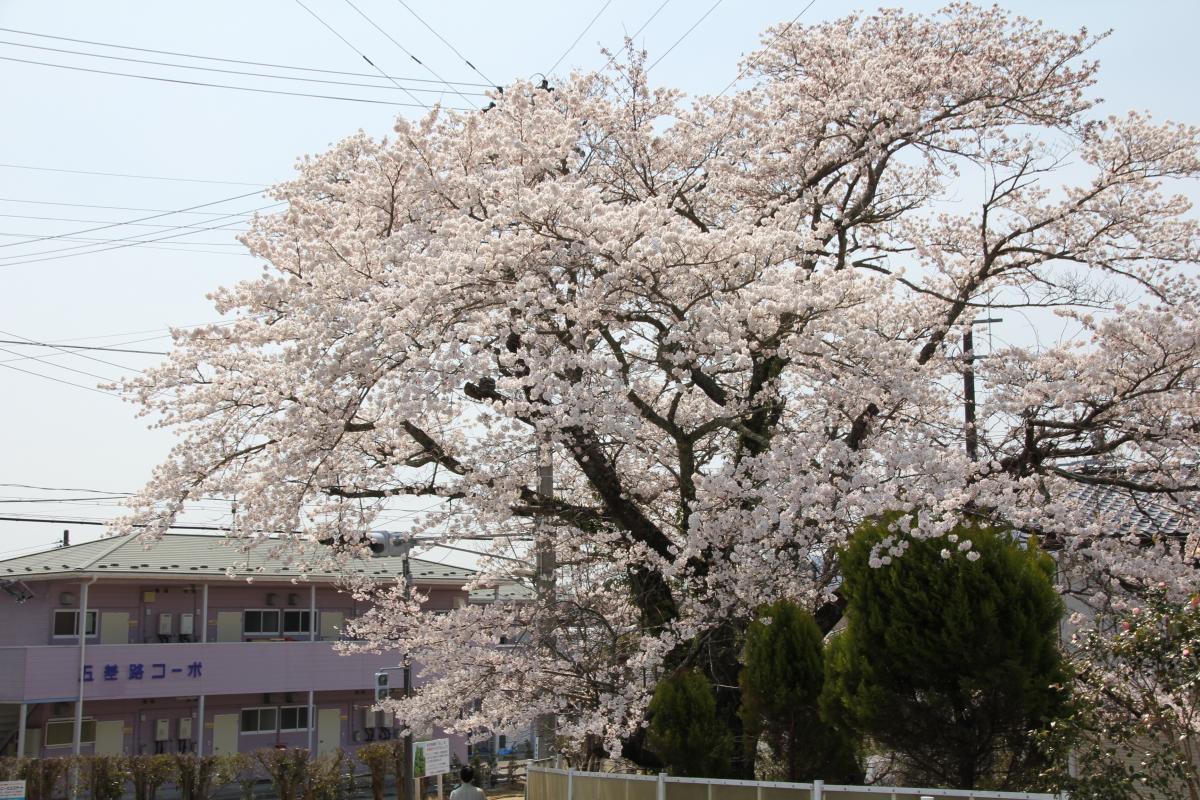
(10, 713)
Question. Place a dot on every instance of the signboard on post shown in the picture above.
(12, 790)
(431, 758)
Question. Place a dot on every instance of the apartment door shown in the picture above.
(110, 736)
(229, 626)
(114, 628)
(331, 624)
(225, 734)
(329, 730)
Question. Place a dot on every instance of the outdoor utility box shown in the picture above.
(185, 728)
(162, 730)
(187, 624)
(164, 624)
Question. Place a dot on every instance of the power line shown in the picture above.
(225, 529)
(59, 380)
(405, 50)
(685, 34)
(361, 54)
(580, 36)
(170, 248)
(58, 366)
(109, 208)
(66, 351)
(92, 221)
(62, 499)
(750, 65)
(212, 69)
(234, 60)
(139, 219)
(132, 239)
(214, 85)
(127, 175)
(118, 246)
(443, 39)
(613, 57)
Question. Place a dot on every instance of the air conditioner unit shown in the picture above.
(164, 624)
(187, 624)
(185, 728)
(162, 730)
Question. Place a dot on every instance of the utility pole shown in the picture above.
(970, 431)
(409, 790)
(546, 562)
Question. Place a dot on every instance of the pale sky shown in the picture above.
(230, 142)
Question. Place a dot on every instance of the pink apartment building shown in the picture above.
(177, 656)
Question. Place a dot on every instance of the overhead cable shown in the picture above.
(235, 60)
(93, 221)
(139, 219)
(109, 208)
(32, 343)
(127, 175)
(580, 36)
(59, 380)
(685, 34)
(634, 35)
(65, 350)
(119, 246)
(443, 40)
(361, 54)
(215, 69)
(407, 52)
(217, 85)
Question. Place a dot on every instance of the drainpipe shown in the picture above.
(312, 612)
(83, 612)
(77, 734)
(204, 614)
(311, 722)
(22, 721)
(198, 734)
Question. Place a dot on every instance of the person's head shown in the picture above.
(467, 774)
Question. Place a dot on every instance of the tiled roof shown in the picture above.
(1133, 512)
(190, 555)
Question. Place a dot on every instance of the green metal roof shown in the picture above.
(179, 555)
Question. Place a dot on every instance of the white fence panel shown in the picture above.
(547, 783)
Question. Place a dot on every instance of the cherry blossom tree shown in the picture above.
(733, 324)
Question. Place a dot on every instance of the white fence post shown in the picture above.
(818, 790)
(570, 784)
(661, 793)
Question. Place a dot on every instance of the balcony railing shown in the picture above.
(43, 673)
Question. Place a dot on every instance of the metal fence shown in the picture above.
(547, 783)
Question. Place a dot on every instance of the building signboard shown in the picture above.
(12, 790)
(431, 758)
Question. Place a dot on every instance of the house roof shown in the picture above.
(178, 555)
(1135, 512)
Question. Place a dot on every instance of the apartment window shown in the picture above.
(260, 621)
(61, 732)
(293, 718)
(260, 720)
(66, 622)
(295, 621)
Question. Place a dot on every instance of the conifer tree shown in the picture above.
(950, 657)
(685, 729)
(781, 683)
